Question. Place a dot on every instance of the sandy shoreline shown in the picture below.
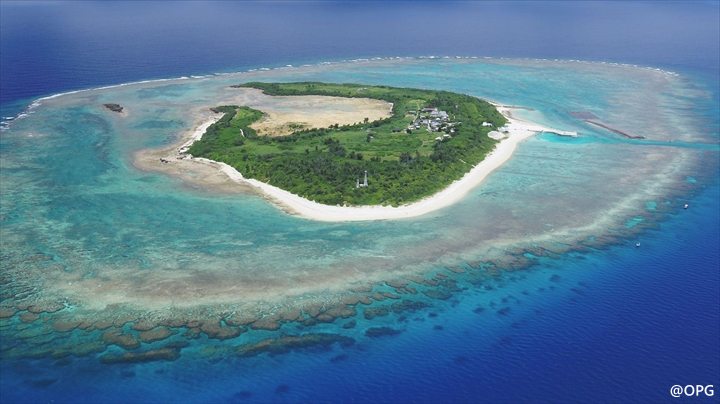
(193, 173)
(177, 161)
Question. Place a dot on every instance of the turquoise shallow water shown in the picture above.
(99, 222)
(615, 309)
(84, 229)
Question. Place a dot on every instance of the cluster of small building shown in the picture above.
(433, 120)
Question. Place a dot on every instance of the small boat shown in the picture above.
(686, 206)
(637, 244)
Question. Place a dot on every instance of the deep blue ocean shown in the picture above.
(617, 325)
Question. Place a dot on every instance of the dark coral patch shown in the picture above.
(87, 348)
(45, 308)
(42, 383)
(504, 311)
(268, 323)
(143, 325)
(397, 284)
(372, 312)
(62, 362)
(286, 344)
(321, 313)
(242, 395)
(239, 319)
(125, 341)
(439, 294)
(338, 311)
(162, 354)
(213, 329)
(7, 312)
(351, 300)
(155, 334)
(375, 332)
(505, 340)
(102, 325)
(408, 305)
(28, 317)
(291, 315)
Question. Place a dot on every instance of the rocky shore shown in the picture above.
(114, 107)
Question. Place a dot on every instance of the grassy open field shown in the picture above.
(323, 164)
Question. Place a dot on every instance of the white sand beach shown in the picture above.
(515, 132)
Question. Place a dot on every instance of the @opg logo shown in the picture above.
(692, 390)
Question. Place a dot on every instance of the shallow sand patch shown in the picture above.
(193, 173)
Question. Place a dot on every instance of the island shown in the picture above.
(391, 153)
(431, 139)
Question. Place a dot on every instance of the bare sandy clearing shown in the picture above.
(286, 114)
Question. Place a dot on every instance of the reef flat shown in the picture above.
(108, 258)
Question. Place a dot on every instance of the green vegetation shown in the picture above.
(323, 165)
